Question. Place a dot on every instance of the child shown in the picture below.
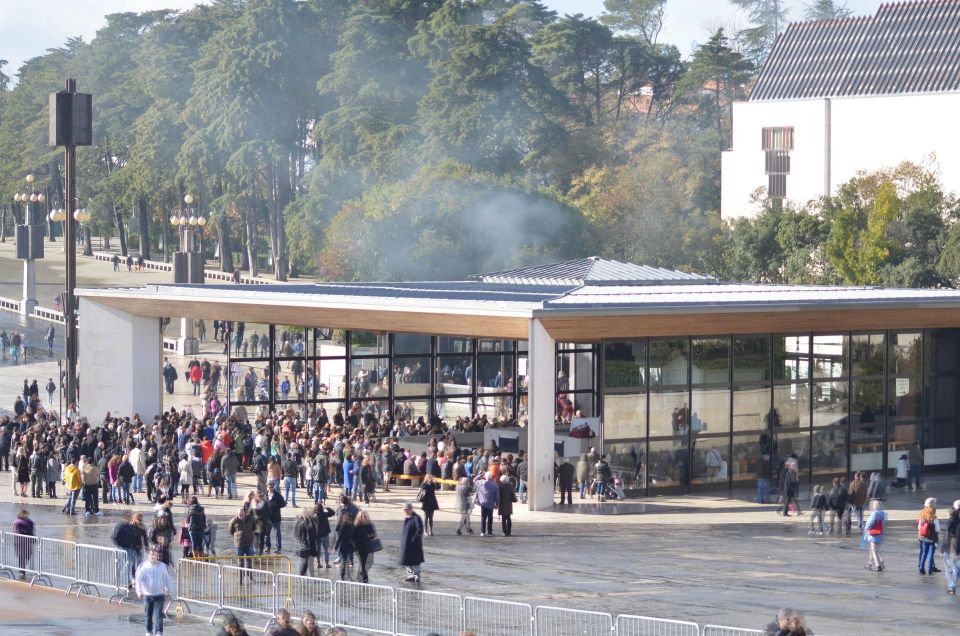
(817, 505)
(185, 540)
(210, 537)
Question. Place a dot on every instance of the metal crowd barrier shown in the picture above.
(198, 583)
(371, 608)
(246, 590)
(558, 621)
(647, 626)
(58, 559)
(299, 593)
(719, 630)
(497, 618)
(101, 567)
(421, 612)
(20, 556)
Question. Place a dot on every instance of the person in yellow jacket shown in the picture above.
(73, 481)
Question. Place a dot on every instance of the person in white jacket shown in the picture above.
(153, 583)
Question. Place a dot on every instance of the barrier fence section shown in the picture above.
(101, 567)
(367, 607)
(20, 556)
(557, 621)
(497, 618)
(198, 583)
(301, 593)
(646, 626)
(720, 630)
(247, 590)
(421, 612)
(58, 560)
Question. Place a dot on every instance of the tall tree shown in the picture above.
(767, 19)
(636, 17)
(826, 10)
(717, 76)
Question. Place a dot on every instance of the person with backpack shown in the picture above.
(928, 532)
(838, 505)
(873, 534)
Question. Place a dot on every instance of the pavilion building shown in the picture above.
(700, 386)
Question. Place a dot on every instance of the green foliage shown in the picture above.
(440, 138)
(826, 10)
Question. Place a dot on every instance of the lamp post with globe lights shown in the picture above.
(188, 265)
(29, 244)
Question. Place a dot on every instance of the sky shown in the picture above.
(26, 32)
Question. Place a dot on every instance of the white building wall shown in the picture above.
(119, 363)
(866, 134)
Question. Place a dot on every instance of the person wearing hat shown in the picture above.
(411, 543)
(951, 549)
(928, 532)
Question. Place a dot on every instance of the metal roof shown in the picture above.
(907, 47)
(592, 271)
(733, 295)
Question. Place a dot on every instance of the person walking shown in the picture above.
(818, 503)
(196, 525)
(583, 474)
(321, 516)
(123, 538)
(838, 505)
(951, 549)
(507, 497)
(856, 498)
(877, 488)
(366, 542)
(915, 471)
(488, 497)
(411, 543)
(275, 503)
(465, 494)
(305, 532)
(241, 529)
(344, 545)
(290, 472)
(50, 335)
(427, 496)
(257, 507)
(51, 388)
(152, 581)
(873, 534)
(928, 532)
(790, 484)
(23, 541)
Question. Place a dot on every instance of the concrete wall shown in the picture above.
(542, 371)
(866, 134)
(119, 363)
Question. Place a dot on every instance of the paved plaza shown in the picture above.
(706, 560)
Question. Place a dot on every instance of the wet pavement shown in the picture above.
(674, 563)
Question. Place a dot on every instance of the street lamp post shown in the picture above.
(29, 245)
(71, 125)
(188, 266)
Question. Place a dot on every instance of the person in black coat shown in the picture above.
(275, 503)
(565, 475)
(322, 515)
(411, 543)
(345, 545)
(305, 531)
(428, 502)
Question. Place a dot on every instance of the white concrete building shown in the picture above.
(838, 97)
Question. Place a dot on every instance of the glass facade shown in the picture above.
(718, 413)
(410, 375)
(679, 415)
